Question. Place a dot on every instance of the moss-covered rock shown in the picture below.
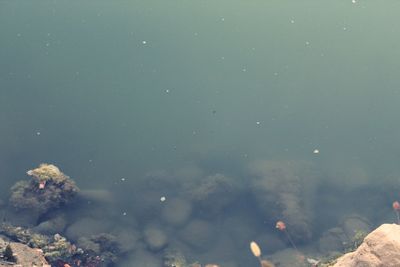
(47, 189)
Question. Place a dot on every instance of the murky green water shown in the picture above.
(146, 99)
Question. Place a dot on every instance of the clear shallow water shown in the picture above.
(111, 90)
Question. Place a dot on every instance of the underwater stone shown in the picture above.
(52, 226)
(332, 240)
(87, 227)
(354, 224)
(176, 211)
(199, 234)
(285, 190)
(211, 194)
(142, 258)
(155, 238)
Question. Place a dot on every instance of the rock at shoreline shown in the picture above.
(24, 255)
(381, 248)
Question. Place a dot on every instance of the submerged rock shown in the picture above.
(285, 191)
(175, 258)
(332, 240)
(212, 194)
(52, 226)
(176, 211)
(155, 238)
(142, 258)
(87, 227)
(354, 225)
(198, 234)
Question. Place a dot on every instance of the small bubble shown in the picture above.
(167, 91)
(258, 122)
(316, 151)
(162, 199)
(123, 179)
(37, 133)
(124, 213)
(144, 42)
(292, 21)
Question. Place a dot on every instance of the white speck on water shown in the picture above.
(38, 133)
(244, 69)
(144, 42)
(124, 213)
(123, 179)
(222, 19)
(162, 199)
(258, 122)
(307, 43)
(292, 21)
(344, 28)
(167, 91)
(353, 1)
(316, 151)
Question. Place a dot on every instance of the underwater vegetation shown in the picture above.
(194, 226)
(396, 208)
(281, 226)
(255, 249)
(47, 189)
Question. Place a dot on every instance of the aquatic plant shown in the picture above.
(255, 249)
(281, 226)
(396, 208)
(47, 189)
